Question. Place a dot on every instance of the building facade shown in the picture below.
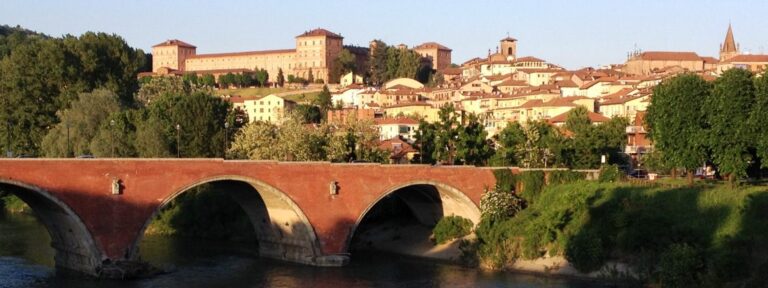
(314, 54)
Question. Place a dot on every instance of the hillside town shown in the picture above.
(500, 88)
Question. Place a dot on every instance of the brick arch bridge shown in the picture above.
(96, 210)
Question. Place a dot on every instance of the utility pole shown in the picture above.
(112, 134)
(226, 138)
(8, 152)
(69, 149)
(178, 140)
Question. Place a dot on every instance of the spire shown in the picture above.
(729, 45)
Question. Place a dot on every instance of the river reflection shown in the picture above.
(26, 260)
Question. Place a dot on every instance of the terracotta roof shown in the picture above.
(620, 97)
(567, 84)
(235, 99)
(409, 104)
(397, 146)
(400, 120)
(710, 60)
(175, 42)
(747, 58)
(598, 80)
(508, 39)
(594, 117)
(320, 32)
(432, 45)
(529, 59)
(511, 82)
(671, 56)
(245, 53)
(451, 71)
(219, 71)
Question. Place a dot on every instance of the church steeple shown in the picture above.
(729, 48)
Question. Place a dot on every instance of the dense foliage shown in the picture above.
(389, 62)
(685, 237)
(451, 227)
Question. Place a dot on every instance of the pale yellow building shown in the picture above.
(314, 51)
(419, 110)
(270, 108)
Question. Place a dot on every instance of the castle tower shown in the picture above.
(729, 48)
(316, 50)
(171, 54)
(509, 48)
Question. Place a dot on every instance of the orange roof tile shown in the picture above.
(175, 42)
(320, 32)
(432, 45)
(399, 120)
(594, 117)
(245, 53)
(747, 58)
(670, 55)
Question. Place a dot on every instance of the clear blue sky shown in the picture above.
(571, 33)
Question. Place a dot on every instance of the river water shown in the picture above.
(26, 260)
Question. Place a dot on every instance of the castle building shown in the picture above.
(314, 53)
(439, 54)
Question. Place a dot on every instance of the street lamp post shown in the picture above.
(178, 140)
(226, 139)
(69, 150)
(112, 135)
(8, 152)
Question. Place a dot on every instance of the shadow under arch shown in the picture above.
(75, 247)
(429, 201)
(282, 229)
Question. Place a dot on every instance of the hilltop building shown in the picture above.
(314, 52)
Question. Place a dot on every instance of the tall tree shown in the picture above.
(280, 78)
(472, 147)
(509, 139)
(310, 76)
(344, 63)
(446, 135)
(759, 116)
(324, 101)
(80, 123)
(378, 63)
(116, 135)
(730, 138)
(425, 141)
(680, 134)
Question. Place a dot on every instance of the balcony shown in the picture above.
(635, 130)
(633, 149)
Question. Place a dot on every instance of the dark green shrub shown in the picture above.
(585, 251)
(499, 205)
(610, 173)
(565, 177)
(531, 183)
(451, 227)
(505, 180)
(680, 266)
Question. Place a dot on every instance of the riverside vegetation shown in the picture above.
(706, 235)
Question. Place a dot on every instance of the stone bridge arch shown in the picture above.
(75, 247)
(282, 229)
(452, 201)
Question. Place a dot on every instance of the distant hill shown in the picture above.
(10, 37)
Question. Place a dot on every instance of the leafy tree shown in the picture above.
(758, 117)
(116, 135)
(310, 76)
(291, 78)
(208, 80)
(43, 75)
(262, 76)
(680, 134)
(378, 63)
(162, 86)
(324, 101)
(191, 78)
(446, 135)
(344, 63)
(509, 140)
(202, 118)
(308, 113)
(729, 138)
(280, 78)
(256, 141)
(472, 147)
(80, 123)
(425, 141)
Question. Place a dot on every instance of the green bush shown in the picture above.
(11, 203)
(505, 180)
(498, 205)
(451, 227)
(531, 183)
(680, 266)
(585, 251)
(610, 173)
(565, 176)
